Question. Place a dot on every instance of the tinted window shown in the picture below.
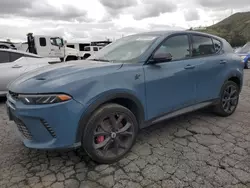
(217, 45)
(202, 46)
(42, 41)
(95, 49)
(15, 56)
(4, 57)
(82, 46)
(87, 49)
(177, 46)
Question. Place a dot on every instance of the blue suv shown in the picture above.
(100, 103)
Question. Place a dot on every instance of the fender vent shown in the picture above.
(49, 129)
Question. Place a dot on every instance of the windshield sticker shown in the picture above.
(146, 38)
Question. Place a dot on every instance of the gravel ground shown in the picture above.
(195, 150)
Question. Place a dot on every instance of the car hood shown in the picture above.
(55, 77)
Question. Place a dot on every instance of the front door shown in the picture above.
(170, 85)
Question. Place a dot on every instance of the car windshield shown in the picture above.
(125, 49)
(245, 48)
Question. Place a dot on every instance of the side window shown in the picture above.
(87, 48)
(95, 49)
(217, 45)
(15, 56)
(202, 46)
(4, 57)
(70, 46)
(177, 46)
(42, 41)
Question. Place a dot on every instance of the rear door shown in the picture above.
(210, 63)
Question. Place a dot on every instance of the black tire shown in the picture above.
(246, 66)
(108, 124)
(227, 104)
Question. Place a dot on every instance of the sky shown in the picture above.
(90, 20)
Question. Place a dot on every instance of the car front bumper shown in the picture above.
(46, 126)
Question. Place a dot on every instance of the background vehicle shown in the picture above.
(7, 45)
(48, 46)
(134, 82)
(88, 49)
(14, 63)
(244, 53)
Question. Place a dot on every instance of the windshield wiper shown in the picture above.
(104, 60)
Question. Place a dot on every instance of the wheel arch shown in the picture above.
(125, 99)
(237, 78)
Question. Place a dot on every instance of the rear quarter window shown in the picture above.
(217, 45)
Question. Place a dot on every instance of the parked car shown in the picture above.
(244, 53)
(7, 45)
(14, 63)
(136, 81)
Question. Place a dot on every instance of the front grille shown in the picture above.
(49, 129)
(22, 128)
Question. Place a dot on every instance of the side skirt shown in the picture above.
(178, 112)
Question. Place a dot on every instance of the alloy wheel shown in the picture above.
(113, 135)
(230, 98)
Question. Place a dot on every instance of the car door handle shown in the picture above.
(17, 66)
(223, 61)
(189, 67)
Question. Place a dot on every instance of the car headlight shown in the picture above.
(44, 99)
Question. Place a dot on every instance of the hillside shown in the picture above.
(235, 28)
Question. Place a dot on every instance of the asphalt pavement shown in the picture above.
(195, 150)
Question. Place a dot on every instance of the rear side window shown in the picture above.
(42, 41)
(95, 49)
(202, 46)
(15, 56)
(4, 57)
(217, 45)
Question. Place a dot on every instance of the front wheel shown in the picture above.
(110, 133)
(229, 98)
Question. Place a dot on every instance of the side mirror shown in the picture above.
(159, 57)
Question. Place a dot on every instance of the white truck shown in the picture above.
(88, 49)
(48, 46)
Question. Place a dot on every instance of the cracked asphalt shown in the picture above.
(195, 150)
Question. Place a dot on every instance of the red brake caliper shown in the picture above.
(100, 139)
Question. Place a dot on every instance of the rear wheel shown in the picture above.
(110, 133)
(247, 64)
(229, 98)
